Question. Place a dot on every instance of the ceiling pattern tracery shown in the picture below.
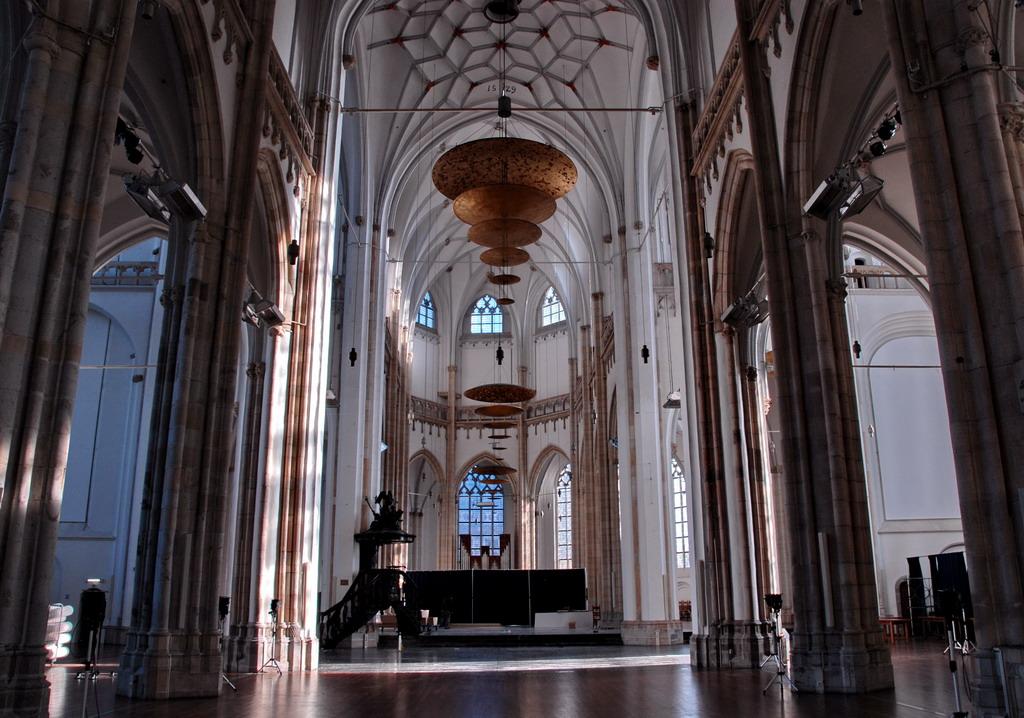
(547, 54)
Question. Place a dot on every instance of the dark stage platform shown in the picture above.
(502, 636)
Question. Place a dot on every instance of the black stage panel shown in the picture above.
(559, 590)
(502, 597)
(508, 597)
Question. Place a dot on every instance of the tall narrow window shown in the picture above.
(564, 517)
(551, 309)
(427, 316)
(486, 317)
(481, 512)
(680, 520)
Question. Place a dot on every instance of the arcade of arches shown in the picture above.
(775, 331)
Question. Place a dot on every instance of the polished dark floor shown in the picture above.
(541, 682)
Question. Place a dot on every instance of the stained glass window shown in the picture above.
(551, 309)
(481, 512)
(563, 489)
(680, 520)
(427, 316)
(486, 317)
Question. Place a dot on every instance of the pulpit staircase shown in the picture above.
(372, 591)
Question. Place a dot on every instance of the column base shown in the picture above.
(24, 690)
(159, 666)
(652, 633)
(848, 662)
(742, 644)
(989, 669)
(250, 646)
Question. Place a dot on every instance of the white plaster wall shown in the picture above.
(905, 433)
(109, 440)
(549, 374)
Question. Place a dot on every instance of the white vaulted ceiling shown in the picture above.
(578, 60)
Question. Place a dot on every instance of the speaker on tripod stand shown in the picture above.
(223, 602)
(272, 661)
(774, 603)
(92, 609)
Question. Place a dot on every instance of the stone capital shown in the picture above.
(1011, 119)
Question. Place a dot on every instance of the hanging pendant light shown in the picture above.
(500, 393)
(498, 410)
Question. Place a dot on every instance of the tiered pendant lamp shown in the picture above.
(503, 187)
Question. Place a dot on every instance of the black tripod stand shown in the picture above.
(272, 661)
(774, 603)
(222, 611)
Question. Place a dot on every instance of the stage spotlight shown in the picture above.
(269, 313)
(181, 200)
(141, 191)
(877, 149)
(864, 191)
(857, 6)
(149, 8)
(261, 312)
(293, 252)
(887, 129)
(125, 134)
(746, 311)
(829, 196)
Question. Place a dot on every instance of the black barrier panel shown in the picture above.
(502, 597)
(443, 592)
(508, 597)
(559, 590)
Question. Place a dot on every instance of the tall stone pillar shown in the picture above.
(966, 172)
(526, 542)
(56, 165)
(584, 477)
(713, 644)
(837, 643)
(173, 647)
(448, 493)
(607, 551)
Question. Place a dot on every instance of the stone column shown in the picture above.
(608, 566)
(837, 643)
(576, 501)
(173, 646)
(711, 645)
(56, 172)
(648, 570)
(526, 541)
(584, 478)
(966, 173)
(448, 491)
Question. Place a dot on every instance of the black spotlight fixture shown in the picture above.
(293, 252)
(352, 356)
(857, 6)
(877, 149)
(499, 355)
(857, 349)
(501, 12)
(645, 353)
(125, 134)
(887, 129)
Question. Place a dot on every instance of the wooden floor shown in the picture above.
(461, 685)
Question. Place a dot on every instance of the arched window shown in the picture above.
(481, 511)
(680, 521)
(426, 316)
(486, 317)
(563, 504)
(551, 309)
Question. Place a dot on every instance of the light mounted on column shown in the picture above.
(352, 356)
